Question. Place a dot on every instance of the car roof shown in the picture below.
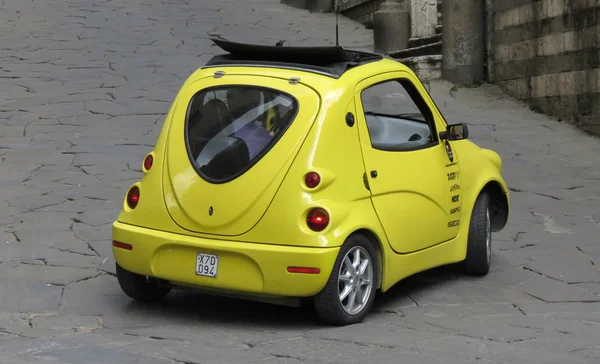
(330, 61)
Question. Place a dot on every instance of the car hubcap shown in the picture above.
(355, 280)
(488, 235)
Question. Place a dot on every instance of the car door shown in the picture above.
(412, 175)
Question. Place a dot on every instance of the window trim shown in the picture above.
(259, 156)
(423, 108)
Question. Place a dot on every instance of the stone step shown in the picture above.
(424, 50)
(438, 28)
(426, 67)
(421, 41)
(300, 4)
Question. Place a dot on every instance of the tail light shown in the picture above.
(148, 162)
(312, 179)
(118, 244)
(133, 197)
(303, 270)
(317, 219)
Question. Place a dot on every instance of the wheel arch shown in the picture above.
(377, 245)
(499, 204)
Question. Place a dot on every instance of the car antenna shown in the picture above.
(337, 37)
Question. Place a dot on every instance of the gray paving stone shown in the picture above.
(21, 155)
(98, 296)
(549, 290)
(13, 323)
(473, 310)
(561, 308)
(98, 218)
(54, 275)
(39, 325)
(102, 247)
(15, 252)
(42, 221)
(85, 120)
(454, 292)
(91, 233)
(27, 296)
(97, 355)
(590, 287)
(108, 263)
(573, 267)
(504, 276)
(32, 203)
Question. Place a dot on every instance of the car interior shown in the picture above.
(397, 119)
(396, 133)
(229, 129)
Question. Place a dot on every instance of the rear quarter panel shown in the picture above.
(151, 211)
(332, 149)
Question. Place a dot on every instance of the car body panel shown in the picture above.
(341, 192)
(243, 267)
(414, 191)
(234, 207)
(480, 167)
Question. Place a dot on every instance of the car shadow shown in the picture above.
(402, 293)
(201, 308)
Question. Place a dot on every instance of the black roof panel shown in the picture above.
(331, 61)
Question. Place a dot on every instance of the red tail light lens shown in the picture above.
(125, 246)
(303, 270)
(317, 219)
(312, 179)
(133, 197)
(148, 162)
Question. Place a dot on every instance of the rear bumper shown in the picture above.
(243, 267)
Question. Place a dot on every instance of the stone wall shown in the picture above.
(547, 52)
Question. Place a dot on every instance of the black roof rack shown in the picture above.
(330, 61)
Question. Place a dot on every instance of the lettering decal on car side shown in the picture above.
(454, 188)
(455, 198)
(452, 176)
(453, 223)
(454, 210)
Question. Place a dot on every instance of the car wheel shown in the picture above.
(140, 288)
(479, 246)
(350, 291)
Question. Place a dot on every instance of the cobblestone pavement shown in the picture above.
(84, 87)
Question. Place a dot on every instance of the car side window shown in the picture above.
(398, 119)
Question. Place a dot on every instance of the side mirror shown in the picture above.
(455, 132)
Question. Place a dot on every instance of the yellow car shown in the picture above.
(287, 174)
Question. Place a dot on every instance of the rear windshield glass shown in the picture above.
(230, 128)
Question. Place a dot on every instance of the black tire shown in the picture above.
(479, 253)
(139, 287)
(327, 303)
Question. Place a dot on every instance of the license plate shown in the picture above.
(207, 265)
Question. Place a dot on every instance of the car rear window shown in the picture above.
(230, 128)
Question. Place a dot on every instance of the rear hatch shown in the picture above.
(231, 142)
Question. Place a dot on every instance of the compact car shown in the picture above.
(306, 174)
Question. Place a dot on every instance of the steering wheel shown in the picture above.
(414, 137)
